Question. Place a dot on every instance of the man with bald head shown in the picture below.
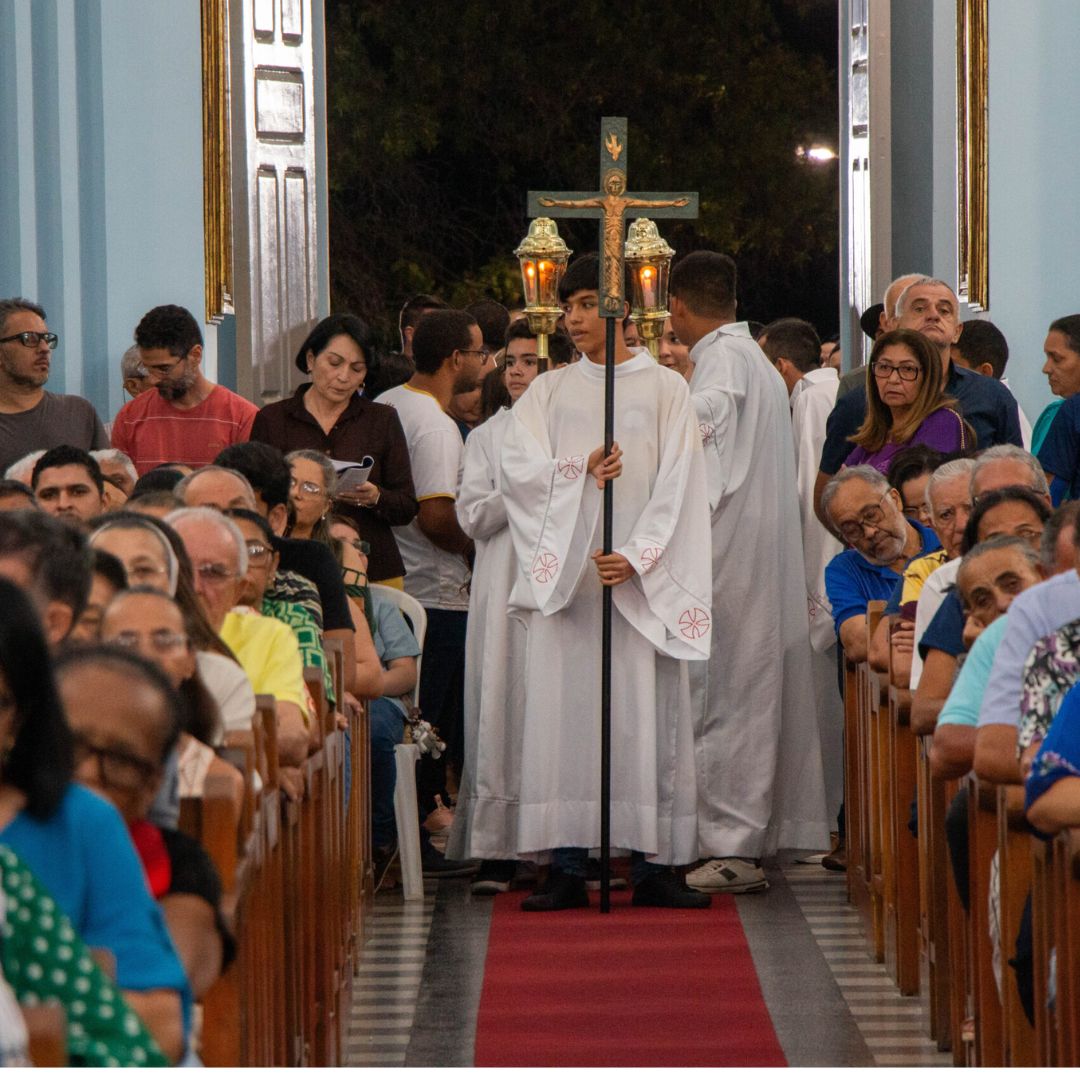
(930, 307)
(886, 322)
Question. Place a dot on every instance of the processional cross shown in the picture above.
(610, 204)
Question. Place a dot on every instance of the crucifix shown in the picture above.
(610, 204)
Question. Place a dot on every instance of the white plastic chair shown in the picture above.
(406, 755)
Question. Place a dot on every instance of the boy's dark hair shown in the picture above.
(264, 468)
(55, 553)
(415, 306)
(169, 327)
(705, 281)
(584, 274)
(911, 462)
(981, 342)
(493, 319)
(438, 335)
(242, 513)
(110, 568)
(793, 339)
(159, 479)
(59, 456)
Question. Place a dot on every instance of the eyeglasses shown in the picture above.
(359, 545)
(484, 354)
(306, 487)
(162, 642)
(157, 372)
(871, 518)
(258, 552)
(215, 573)
(907, 372)
(118, 769)
(31, 339)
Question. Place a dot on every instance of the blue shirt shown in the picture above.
(1060, 450)
(966, 696)
(946, 629)
(1059, 754)
(852, 581)
(84, 857)
(392, 638)
(984, 403)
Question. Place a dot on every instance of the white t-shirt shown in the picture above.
(435, 577)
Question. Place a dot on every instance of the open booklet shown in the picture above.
(353, 474)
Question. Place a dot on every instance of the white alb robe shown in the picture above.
(660, 619)
(758, 752)
(812, 400)
(485, 822)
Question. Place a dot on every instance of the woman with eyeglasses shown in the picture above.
(75, 844)
(311, 494)
(328, 414)
(906, 404)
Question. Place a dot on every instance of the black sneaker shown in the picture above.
(663, 889)
(494, 876)
(592, 877)
(384, 858)
(563, 891)
(436, 865)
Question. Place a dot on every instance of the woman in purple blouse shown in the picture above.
(906, 403)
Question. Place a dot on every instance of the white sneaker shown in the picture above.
(727, 875)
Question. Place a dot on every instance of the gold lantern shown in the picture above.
(648, 255)
(543, 255)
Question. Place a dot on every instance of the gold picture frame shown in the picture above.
(217, 171)
(972, 157)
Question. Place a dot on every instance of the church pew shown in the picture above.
(902, 897)
(880, 854)
(982, 839)
(1042, 928)
(1067, 931)
(933, 897)
(1014, 868)
(854, 791)
(46, 1035)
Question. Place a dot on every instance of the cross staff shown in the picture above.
(609, 204)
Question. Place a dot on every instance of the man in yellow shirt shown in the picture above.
(266, 649)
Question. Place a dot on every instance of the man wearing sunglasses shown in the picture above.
(31, 418)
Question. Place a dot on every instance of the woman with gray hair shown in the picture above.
(311, 494)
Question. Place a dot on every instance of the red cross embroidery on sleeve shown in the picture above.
(545, 566)
(707, 432)
(650, 557)
(694, 623)
(571, 467)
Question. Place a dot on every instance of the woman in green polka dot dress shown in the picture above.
(44, 961)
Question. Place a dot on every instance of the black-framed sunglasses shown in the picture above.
(31, 339)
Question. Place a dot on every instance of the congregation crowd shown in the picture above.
(158, 573)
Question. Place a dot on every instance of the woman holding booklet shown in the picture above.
(328, 414)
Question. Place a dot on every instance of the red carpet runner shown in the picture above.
(640, 986)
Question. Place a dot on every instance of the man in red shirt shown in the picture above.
(189, 418)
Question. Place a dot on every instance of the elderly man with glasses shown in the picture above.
(31, 418)
(868, 515)
(265, 648)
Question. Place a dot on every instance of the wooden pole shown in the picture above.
(605, 652)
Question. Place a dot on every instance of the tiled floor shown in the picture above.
(418, 990)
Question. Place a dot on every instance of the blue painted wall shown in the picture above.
(101, 202)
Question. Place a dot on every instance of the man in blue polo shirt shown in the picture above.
(868, 514)
(930, 307)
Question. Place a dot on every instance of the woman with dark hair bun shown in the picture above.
(329, 415)
(75, 844)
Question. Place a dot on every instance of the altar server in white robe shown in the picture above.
(795, 351)
(485, 821)
(552, 477)
(758, 754)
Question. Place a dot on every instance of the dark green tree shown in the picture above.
(441, 116)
